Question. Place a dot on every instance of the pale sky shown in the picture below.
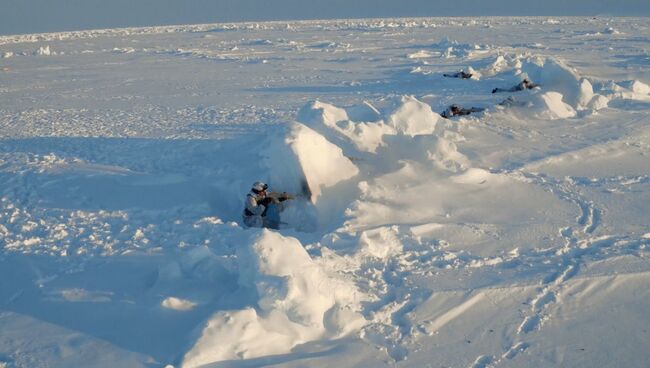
(33, 16)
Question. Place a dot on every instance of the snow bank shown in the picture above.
(298, 302)
(301, 160)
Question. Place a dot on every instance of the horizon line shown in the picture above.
(306, 20)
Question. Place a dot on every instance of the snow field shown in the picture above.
(513, 237)
(422, 155)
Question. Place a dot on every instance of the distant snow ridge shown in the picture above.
(298, 302)
(449, 49)
(453, 49)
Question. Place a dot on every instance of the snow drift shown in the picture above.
(297, 302)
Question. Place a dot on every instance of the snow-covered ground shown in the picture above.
(513, 237)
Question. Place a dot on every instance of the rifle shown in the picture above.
(275, 198)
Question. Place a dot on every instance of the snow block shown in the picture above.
(640, 87)
(298, 302)
(413, 117)
(303, 161)
(316, 112)
(554, 107)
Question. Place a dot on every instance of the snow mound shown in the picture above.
(612, 31)
(598, 102)
(335, 123)
(632, 89)
(554, 75)
(562, 93)
(298, 302)
(381, 243)
(317, 112)
(500, 64)
(301, 160)
(178, 304)
(546, 105)
(44, 51)
(638, 87)
(422, 54)
(413, 118)
(626, 90)
(552, 107)
(454, 49)
(410, 117)
(441, 153)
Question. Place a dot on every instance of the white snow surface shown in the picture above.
(516, 236)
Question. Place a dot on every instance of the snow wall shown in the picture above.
(302, 161)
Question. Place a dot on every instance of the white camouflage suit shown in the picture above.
(253, 211)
